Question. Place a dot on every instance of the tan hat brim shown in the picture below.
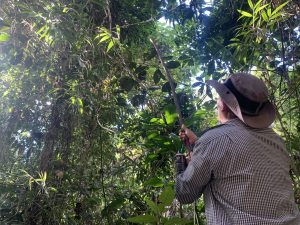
(265, 117)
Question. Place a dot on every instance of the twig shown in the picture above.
(103, 127)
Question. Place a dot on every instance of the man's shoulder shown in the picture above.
(215, 133)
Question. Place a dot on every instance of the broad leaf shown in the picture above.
(177, 220)
(167, 87)
(153, 206)
(154, 182)
(172, 64)
(197, 84)
(157, 76)
(167, 196)
(143, 219)
(170, 114)
(126, 83)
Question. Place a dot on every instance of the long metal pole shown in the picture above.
(171, 82)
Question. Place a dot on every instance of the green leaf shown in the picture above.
(170, 114)
(279, 7)
(114, 205)
(257, 4)
(154, 208)
(244, 13)
(110, 45)
(104, 38)
(177, 220)
(250, 4)
(261, 8)
(167, 87)
(4, 37)
(80, 103)
(269, 12)
(264, 16)
(143, 219)
(4, 28)
(167, 196)
(118, 29)
(172, 64)
(126, 83)
(154, 182)
(157, 76)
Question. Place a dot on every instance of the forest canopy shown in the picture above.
(88, 124)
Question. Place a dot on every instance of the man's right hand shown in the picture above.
(187, 136)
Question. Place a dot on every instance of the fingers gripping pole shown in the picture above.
(171, 82)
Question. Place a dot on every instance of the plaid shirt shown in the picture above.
(244, 176)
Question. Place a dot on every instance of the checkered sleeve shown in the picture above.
(191, 183)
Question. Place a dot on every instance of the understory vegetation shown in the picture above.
(88, 125)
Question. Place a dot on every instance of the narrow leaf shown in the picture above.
(244, 13)
(110, 45)
(264, 16)
(260, 8)
(250, 4)
(279, 7)
(104, 38)
(257, 4)
(269, 12)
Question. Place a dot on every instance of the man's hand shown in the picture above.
(187, 136)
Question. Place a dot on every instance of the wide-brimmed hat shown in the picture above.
(247, 97)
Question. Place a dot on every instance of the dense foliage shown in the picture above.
(88, 126)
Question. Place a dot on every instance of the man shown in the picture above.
(240, 166)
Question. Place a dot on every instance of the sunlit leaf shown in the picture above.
(170, 113)
(279, 7)
(257, 4)
(80, 102)
(104, 38)
(244, 13)
(4, 37)
(261, 8)
(250, 4)
(110, 45)
(269, 12)
(264, 16)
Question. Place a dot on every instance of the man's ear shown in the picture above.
(221, 105)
